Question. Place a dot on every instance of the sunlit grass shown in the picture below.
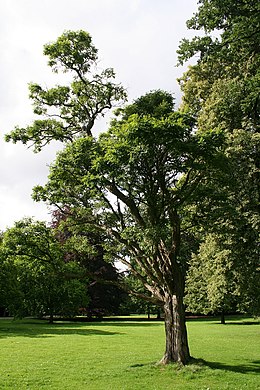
(123, 355)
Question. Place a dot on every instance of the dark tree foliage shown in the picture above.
(104, 294)
(45, 285)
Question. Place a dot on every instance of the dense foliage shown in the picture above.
(40, 281)
(222, 92)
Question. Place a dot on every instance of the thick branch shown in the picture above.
(127, 201)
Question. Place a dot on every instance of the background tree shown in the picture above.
(211, 285)
(46, 284)
(222, 92)
(85, 247)
(10, 294)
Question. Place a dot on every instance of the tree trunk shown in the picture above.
(51, 316)
(177, 349)
(222, 318)
(51, 319)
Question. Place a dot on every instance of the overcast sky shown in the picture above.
(138, 38)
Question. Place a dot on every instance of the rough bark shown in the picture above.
(177, 349)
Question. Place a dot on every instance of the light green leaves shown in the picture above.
(73, 51)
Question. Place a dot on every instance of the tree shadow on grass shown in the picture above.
(243, 323)
(248, 367)
(196, 365)
(230, 320)
(128, 324)
(43, 329)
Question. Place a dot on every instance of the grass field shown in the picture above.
(123, 355)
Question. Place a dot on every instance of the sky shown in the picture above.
(138, 38)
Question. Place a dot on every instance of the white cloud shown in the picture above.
(15, 205)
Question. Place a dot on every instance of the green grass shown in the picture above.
(123, 355)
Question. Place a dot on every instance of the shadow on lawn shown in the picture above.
(128, 324)
(250, 366)
(244, 323)
(41, 328)
(32, 329)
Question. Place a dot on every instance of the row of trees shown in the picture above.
(171, 192)
(39, 282)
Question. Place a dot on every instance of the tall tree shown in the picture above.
(132, 183)
(222, 92)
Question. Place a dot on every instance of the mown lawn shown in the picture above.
(123, 355)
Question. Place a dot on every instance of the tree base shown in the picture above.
(182, 362)
(177, 349)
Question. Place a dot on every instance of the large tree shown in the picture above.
(132, 183)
